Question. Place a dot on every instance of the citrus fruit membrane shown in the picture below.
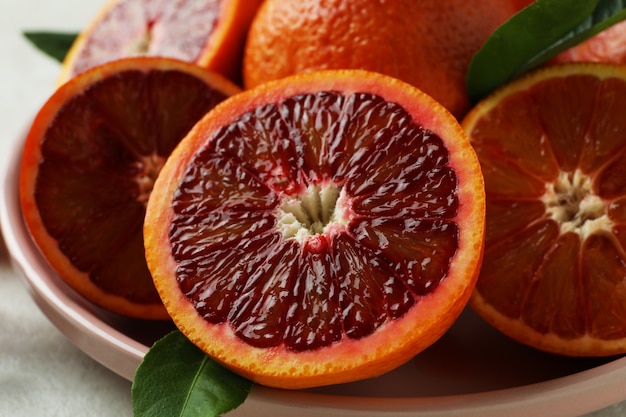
(318, 229)
(210, 33)
(552, 147)
(89, 163)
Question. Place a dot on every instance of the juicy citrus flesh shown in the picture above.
(207, 32)
(317, 230)
(90, 160)
(428, 45)
(155, 27)
(552, 148)
(608, 46)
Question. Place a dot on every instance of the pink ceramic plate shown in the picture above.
(471, 371)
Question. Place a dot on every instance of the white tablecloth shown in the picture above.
(41, 373)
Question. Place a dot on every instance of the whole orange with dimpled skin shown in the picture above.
(427, 43)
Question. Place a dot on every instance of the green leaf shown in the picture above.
(176, 379)
(536, 34)
(53, 44)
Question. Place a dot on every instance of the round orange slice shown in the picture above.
(89, 163)
(552, 146)
(210, 33)
(319, 229)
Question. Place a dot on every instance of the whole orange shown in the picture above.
(427, 43)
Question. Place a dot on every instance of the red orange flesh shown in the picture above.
(89, 162)
(319, 229)
(552, 147)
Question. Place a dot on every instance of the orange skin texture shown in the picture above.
(427, 43)
(221, 51)
(32, 155)
(347, 360)
(520, 4)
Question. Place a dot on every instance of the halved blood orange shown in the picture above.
(318, 229)
(552, 146)
(210, 33)
(89, 162)
(607, 46)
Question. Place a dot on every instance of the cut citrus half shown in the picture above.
(318, 229)
(89, 163)
(552, 146)
(210, 33)
(608, 46)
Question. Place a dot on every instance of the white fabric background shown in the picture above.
(41, 373)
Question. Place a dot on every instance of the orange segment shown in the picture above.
(553, 271)
(90, 160)
(210, 33)
(319, 229)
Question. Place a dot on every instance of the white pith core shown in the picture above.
(148, 167)
(139, 45)
(315, 211)
(570, 201)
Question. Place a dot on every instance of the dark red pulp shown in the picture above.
(93, 171)
(393, 246)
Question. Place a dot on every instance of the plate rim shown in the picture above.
(602, 386)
